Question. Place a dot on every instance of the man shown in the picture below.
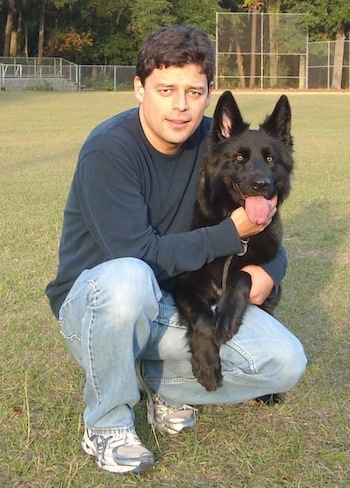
(125, 239)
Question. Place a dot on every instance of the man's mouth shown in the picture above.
(178, 123)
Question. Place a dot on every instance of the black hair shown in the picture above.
(176, 45)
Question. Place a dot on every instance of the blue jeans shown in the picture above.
(116, 314)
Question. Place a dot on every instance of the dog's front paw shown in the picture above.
(206, 367)
(209, 377)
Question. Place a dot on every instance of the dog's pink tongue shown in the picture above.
(257, 209)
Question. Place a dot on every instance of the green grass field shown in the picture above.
(304, 442)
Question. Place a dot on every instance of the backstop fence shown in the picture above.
(258, 50)
(321, 64)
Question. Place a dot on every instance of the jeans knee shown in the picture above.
(290, 363)
(128, 285)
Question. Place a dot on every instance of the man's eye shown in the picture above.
(165, 91)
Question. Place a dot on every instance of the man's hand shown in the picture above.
(245, 227)
(262, 284)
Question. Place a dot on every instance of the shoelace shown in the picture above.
(130, 439)
(101, 444)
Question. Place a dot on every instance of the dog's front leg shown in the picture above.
(206, 365)
(231, 307)
(193, 297)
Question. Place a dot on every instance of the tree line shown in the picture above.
(109, 32)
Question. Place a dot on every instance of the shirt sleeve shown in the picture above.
(116, 216)
(277, 268)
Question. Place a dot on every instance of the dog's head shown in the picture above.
(241, 162)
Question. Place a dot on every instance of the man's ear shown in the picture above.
(138, 89)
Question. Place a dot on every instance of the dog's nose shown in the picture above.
(261, 185)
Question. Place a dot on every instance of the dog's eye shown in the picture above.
(239, 158)
(270, 159)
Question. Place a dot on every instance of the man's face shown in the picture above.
(172, 105)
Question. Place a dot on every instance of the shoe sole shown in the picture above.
(169, 430)
(143, 467)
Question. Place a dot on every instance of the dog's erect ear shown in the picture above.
(227, 118)
(278, 124)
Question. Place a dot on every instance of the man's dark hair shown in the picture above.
(176, 45)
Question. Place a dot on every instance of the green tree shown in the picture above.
(108, 21)
(273, 7)
(10, 28)
(254, 7)
(230, 36)
(187, 12)
(148, 15)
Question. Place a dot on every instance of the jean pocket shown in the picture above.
(67, 322)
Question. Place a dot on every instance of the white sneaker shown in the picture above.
(169, 418)
(118, 453)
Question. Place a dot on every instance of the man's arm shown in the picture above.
(266, 279)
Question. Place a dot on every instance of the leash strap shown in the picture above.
(228, 261)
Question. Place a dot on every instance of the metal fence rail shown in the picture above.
(49, 70)
(46, 68)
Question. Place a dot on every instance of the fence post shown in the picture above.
(78, 76)
(328, 63)
(307, 63)
(2, 75)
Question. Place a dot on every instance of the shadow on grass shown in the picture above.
(316, 294)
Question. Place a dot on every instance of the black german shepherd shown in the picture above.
(243, 167)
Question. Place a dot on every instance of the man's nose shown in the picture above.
(180, 101)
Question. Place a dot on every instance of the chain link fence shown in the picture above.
(258, 50)
(321, 64)
(253, 50)
(106, 78)
(57, 73)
